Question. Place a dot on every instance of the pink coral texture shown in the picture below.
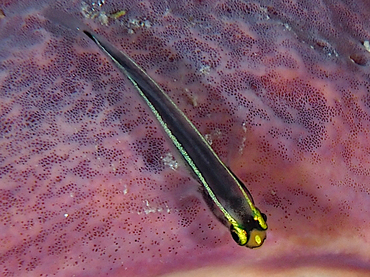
(89, 184)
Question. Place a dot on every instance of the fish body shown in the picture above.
(225, 194)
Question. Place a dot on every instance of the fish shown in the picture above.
(225, 194)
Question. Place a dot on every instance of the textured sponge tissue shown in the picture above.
(90, 186)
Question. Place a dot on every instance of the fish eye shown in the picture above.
(235, 235)
(264, 216)
(239, 235)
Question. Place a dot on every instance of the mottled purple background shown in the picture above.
(280, 88)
